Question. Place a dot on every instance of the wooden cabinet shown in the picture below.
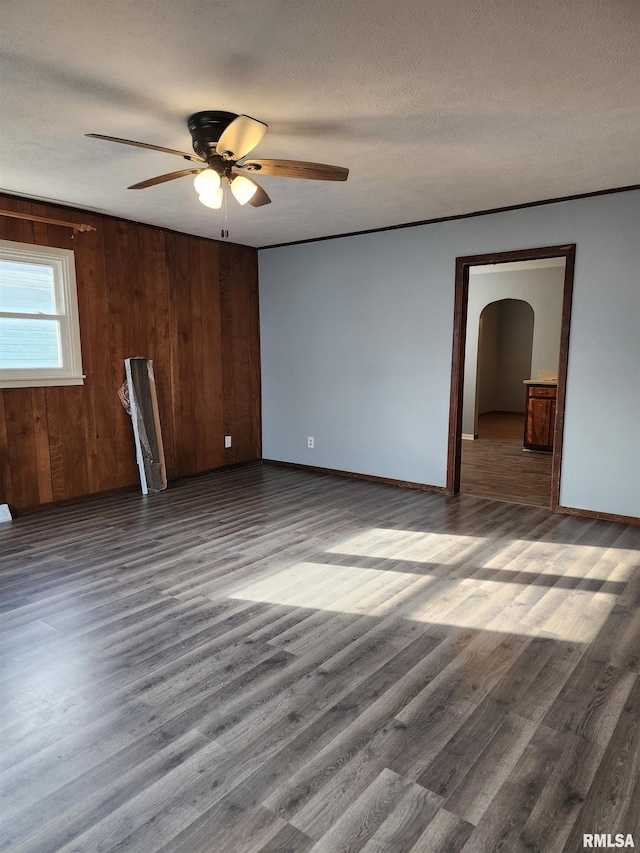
(540, 417)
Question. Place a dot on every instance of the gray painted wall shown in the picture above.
(542, 288)
(357, 339)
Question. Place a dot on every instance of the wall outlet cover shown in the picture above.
(310, 442)
(227, 441)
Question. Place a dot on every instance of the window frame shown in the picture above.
(62, 262)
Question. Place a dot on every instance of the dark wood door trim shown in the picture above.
(463, 265)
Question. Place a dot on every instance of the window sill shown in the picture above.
(42, 383)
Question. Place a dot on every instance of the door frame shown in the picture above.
(463, 264)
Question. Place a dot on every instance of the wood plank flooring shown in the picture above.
(265, 660)
(496, 466)
(502, 426)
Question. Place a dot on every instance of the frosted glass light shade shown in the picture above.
(207, 183)
(214, 200)
(243, 189)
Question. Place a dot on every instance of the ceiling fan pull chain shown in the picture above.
(223, 217)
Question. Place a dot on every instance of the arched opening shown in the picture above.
(505, 349)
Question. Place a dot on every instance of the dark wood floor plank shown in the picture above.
(72, 810)
(473, 795)
(101, 823)
(626, 653)
(273, 660)
(540, 694)
(288, 840)
(612, 803)
(591, 701)
(406, 822)
(504, 820)
(410, 669)
(445, 834)
(557, 807)
(351, 832)
(455, 759)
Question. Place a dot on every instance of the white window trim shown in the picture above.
(62, 262)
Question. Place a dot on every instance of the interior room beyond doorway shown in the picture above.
(512, 337)
(495, 465)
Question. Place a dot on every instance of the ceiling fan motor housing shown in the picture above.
(205, 129)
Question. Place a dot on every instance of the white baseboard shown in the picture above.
(467, 436)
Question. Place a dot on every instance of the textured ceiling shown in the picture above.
(437, 108)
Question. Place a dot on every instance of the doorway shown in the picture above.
(469, 398)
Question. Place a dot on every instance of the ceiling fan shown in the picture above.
(220, 141)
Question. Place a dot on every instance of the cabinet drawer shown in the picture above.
(542, 390)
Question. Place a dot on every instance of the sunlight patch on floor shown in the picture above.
(407, 545)
(509, 555)
(559, 613)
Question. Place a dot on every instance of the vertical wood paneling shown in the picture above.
(26, 228)
(89, 354)
(174, 361)
(197, 362)
(23, 459)
(228, 361)
(94, 322)
(239, 320)
(120, 308)
(213, 443)
(41, 437)
(6, 487)
(158, 307)
(72, 429)
(254, 397)
(137, 271)
(9, 228)
(56, 456)
(241, 355)
(187, 303)
(186, 384)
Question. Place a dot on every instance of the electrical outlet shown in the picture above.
(310, 442)
(227, 441)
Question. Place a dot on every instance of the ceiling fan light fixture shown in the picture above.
(213, 200)
(220, 141)
(207, 183)
(243, 189)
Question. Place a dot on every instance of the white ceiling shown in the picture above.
(437, 107)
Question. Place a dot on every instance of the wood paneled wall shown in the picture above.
(189, 304)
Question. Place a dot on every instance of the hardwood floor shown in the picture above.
(501, 426)
(267, 660)
(496, 466)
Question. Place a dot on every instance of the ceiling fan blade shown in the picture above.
(171, 176)
(192, 157)
(240, 137)
(297, 169)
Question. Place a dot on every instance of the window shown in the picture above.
(39, 327)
